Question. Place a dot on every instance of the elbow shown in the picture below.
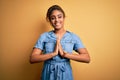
(85, 60)
(31, 61)
(88, 60)
(34, 59)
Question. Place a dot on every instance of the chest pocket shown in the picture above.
(49, 46)
(68, 45)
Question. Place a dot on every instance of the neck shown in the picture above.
(59, 31)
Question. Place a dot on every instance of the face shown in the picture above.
(57, 19)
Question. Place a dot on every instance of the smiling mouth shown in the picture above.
(57, 24)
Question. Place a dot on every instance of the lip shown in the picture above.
(57, 24)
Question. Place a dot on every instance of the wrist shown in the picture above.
(64, 54)
(54, 54)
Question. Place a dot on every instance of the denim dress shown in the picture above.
(58, 68)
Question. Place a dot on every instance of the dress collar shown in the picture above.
(52, 34)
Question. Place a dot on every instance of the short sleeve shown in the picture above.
(78, 43)
(40, 43)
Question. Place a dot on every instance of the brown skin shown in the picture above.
(57, 21)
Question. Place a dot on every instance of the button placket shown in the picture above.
(62, 44)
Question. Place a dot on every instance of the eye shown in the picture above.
(60, 16)
(52, 18)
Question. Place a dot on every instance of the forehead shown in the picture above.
(56, 12)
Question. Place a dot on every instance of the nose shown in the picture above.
(56, 19)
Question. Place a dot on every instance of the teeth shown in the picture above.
(57, 24)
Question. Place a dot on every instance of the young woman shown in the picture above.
(55, 48)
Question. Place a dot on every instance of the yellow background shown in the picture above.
(97, 22)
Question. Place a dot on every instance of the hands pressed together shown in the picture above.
(58, 49)
(37, 55)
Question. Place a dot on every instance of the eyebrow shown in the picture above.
(57, 15)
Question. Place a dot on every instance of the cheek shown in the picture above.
(62, 20)
(52, 22)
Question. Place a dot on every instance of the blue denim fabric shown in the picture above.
(58, 68)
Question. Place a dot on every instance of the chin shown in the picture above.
(57, 27)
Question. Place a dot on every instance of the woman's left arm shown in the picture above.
(82, 56)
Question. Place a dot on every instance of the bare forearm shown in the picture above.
(41, 57)
(37, 55)
(78, 57)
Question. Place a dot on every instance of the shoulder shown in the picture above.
(74, 36)
(44, 35)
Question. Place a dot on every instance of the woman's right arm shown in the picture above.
(37, 55)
